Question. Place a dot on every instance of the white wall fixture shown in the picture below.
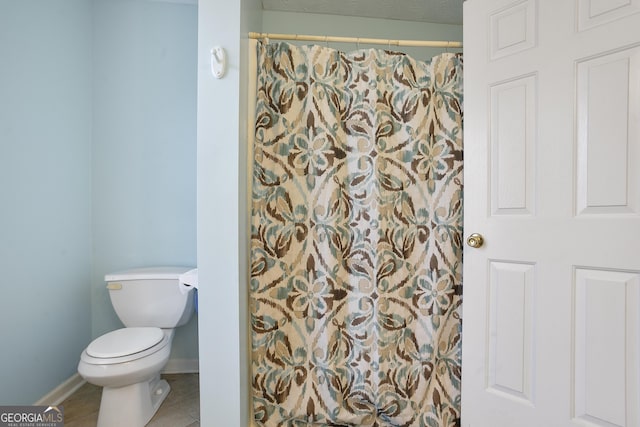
(218, 62)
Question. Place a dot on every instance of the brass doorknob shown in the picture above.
(475, 240)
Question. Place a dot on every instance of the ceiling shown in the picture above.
(437, 11)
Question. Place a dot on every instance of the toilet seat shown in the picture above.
(125, 345)
(123, 342)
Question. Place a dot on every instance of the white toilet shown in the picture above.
(127, 362)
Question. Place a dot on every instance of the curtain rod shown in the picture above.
(357, 40)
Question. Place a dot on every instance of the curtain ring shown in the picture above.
(358, 43)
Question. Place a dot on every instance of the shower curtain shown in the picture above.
(356, 238)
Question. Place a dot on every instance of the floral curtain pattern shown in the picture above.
(356, 238)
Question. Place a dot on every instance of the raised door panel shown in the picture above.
(513, 120)
(606, 347)
(592, 13)
(608, 133)
(512, 28)
(510, 334)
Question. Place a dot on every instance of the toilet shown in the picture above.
(127, 362)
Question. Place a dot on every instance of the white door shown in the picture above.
(551, 323)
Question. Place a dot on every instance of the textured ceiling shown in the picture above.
(439, 11)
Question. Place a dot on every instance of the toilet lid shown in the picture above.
(125, 341)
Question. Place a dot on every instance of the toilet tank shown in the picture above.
(150, 297)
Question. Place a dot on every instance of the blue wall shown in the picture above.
(45, 191)
(97, 172)
(144, 146)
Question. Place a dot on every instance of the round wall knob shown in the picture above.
(475, 240)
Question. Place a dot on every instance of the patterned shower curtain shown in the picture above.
(356, 238)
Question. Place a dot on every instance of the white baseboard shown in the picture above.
(182, 366)
(60, 393)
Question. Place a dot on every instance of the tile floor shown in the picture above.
(181, 408)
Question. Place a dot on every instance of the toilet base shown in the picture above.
(133, 405)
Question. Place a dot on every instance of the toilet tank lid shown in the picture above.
(147, 273)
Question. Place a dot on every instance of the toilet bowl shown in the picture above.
(129, 373)
(127, 362)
